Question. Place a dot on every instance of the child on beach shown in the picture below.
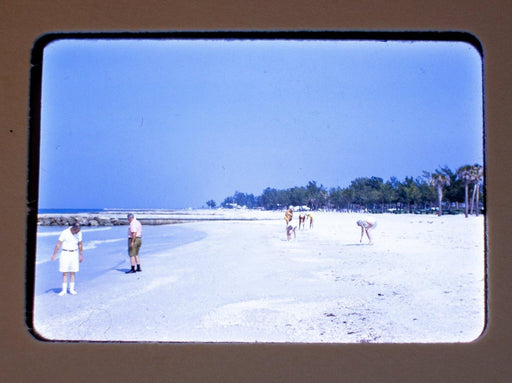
(302, 219)
(289, 230)
(310, 220)
(366, 226)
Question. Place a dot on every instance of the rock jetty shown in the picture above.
(68, 220)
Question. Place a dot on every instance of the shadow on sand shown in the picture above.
(55, 290)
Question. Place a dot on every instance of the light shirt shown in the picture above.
(69, 240)
(135, 227)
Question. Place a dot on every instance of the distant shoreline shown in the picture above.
(171, 217)
(150, 217)
(62, 220)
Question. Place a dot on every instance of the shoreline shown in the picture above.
(64, 220)
(171, 217)
(154, 217)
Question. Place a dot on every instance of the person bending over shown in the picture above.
(366, 226)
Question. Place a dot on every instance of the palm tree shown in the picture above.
(465, 173)
(439, 180)
(477, 175)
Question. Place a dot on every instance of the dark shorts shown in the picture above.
(134, 251)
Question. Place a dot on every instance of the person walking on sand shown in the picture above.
(134, 243)
(71, 242)
(288, 215)
(366, 226)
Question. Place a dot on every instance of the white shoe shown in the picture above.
(63, 292)
(73, 292)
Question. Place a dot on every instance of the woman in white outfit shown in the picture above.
(71, 242)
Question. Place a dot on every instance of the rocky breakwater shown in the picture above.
(68, 220)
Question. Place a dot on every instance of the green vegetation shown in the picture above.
(440, 192)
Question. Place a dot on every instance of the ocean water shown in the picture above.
(102, 210)
(69, 211)
(105, 249)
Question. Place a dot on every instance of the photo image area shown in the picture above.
(340, 129)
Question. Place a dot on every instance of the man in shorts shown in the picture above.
(71, 242)
(134, 243)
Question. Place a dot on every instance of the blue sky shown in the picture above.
(175, 123)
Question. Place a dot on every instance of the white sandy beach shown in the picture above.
(422, 280)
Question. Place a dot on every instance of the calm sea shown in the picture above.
(68, 211)
(100, 210)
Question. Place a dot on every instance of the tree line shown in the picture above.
(434, 192)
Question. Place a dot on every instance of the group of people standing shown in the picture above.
(366, 226)
(72, 252)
